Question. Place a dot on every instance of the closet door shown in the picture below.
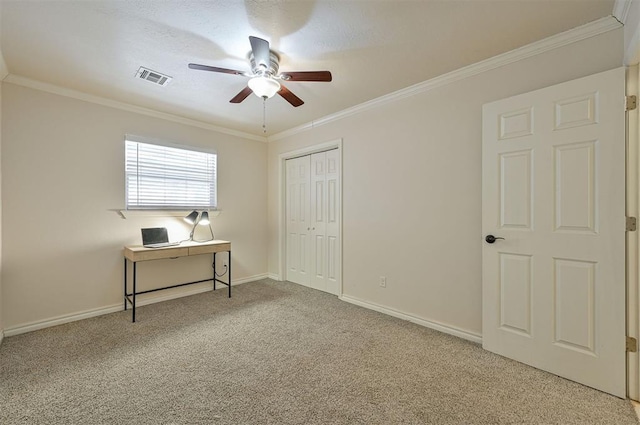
(325, 212)
(332, 224)
(318, 248)
(313, 221)
(297, 219)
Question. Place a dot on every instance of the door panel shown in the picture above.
(318, 220)
(574, 301)
(297, 220)
(575, 187)
(553, 187)
(516, 189)
(332, 228)
(515, 293)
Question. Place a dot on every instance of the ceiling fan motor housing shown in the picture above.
(270, 69)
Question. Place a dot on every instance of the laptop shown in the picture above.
(156, 237)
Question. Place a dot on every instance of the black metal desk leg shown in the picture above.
(229, 269)
(214, 271)
(125, 284)
(133, 308)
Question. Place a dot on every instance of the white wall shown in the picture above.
(63, 179)
(412, 185)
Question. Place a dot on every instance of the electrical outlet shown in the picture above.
(383, 281)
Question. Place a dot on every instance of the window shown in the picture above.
(169, 178)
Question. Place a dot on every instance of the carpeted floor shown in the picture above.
(276, 353)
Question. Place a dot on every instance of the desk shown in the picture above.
(136, 253)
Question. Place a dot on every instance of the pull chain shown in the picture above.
(264, 114)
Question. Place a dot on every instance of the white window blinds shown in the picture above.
(169, 178)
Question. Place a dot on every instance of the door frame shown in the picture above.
(633, 238)
(282, 227)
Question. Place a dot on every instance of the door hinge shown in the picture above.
(632, 344)
(631, 224)
(632, 103)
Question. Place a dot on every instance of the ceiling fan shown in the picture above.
(265, 80)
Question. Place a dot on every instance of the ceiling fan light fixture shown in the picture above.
(264, 87)
(264, 75)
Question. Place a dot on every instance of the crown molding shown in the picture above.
(574, 35)
(51, 88)
(621, 10)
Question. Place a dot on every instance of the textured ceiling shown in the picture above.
(372, 48)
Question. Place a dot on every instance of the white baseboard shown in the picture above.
(59, 320)
(451, 330)
(250, 279)
(274, 276)
(67, 318)
(1, 336)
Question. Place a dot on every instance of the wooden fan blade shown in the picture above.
(215, 69)
(242, 95)
(290, 97)
(307, 76)
(260, 49)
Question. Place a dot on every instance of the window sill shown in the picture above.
(162, 213)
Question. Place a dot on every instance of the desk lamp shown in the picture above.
(195, 219)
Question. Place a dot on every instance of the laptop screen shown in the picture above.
(154, 235)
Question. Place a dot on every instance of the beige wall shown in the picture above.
(1, 291)
(412, 202)
(632, 34)
(63, 179)
(3, 73)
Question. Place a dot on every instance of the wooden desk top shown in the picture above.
(141, 253)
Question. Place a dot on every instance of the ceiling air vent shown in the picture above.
(153, 76)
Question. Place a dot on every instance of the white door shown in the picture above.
(312, 221)
(332, 220)
(325, 204)
(318, 254)
(298, 220)
(553, 184)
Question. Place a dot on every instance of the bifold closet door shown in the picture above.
(298, 223)
(325, 249)
(313, 208)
